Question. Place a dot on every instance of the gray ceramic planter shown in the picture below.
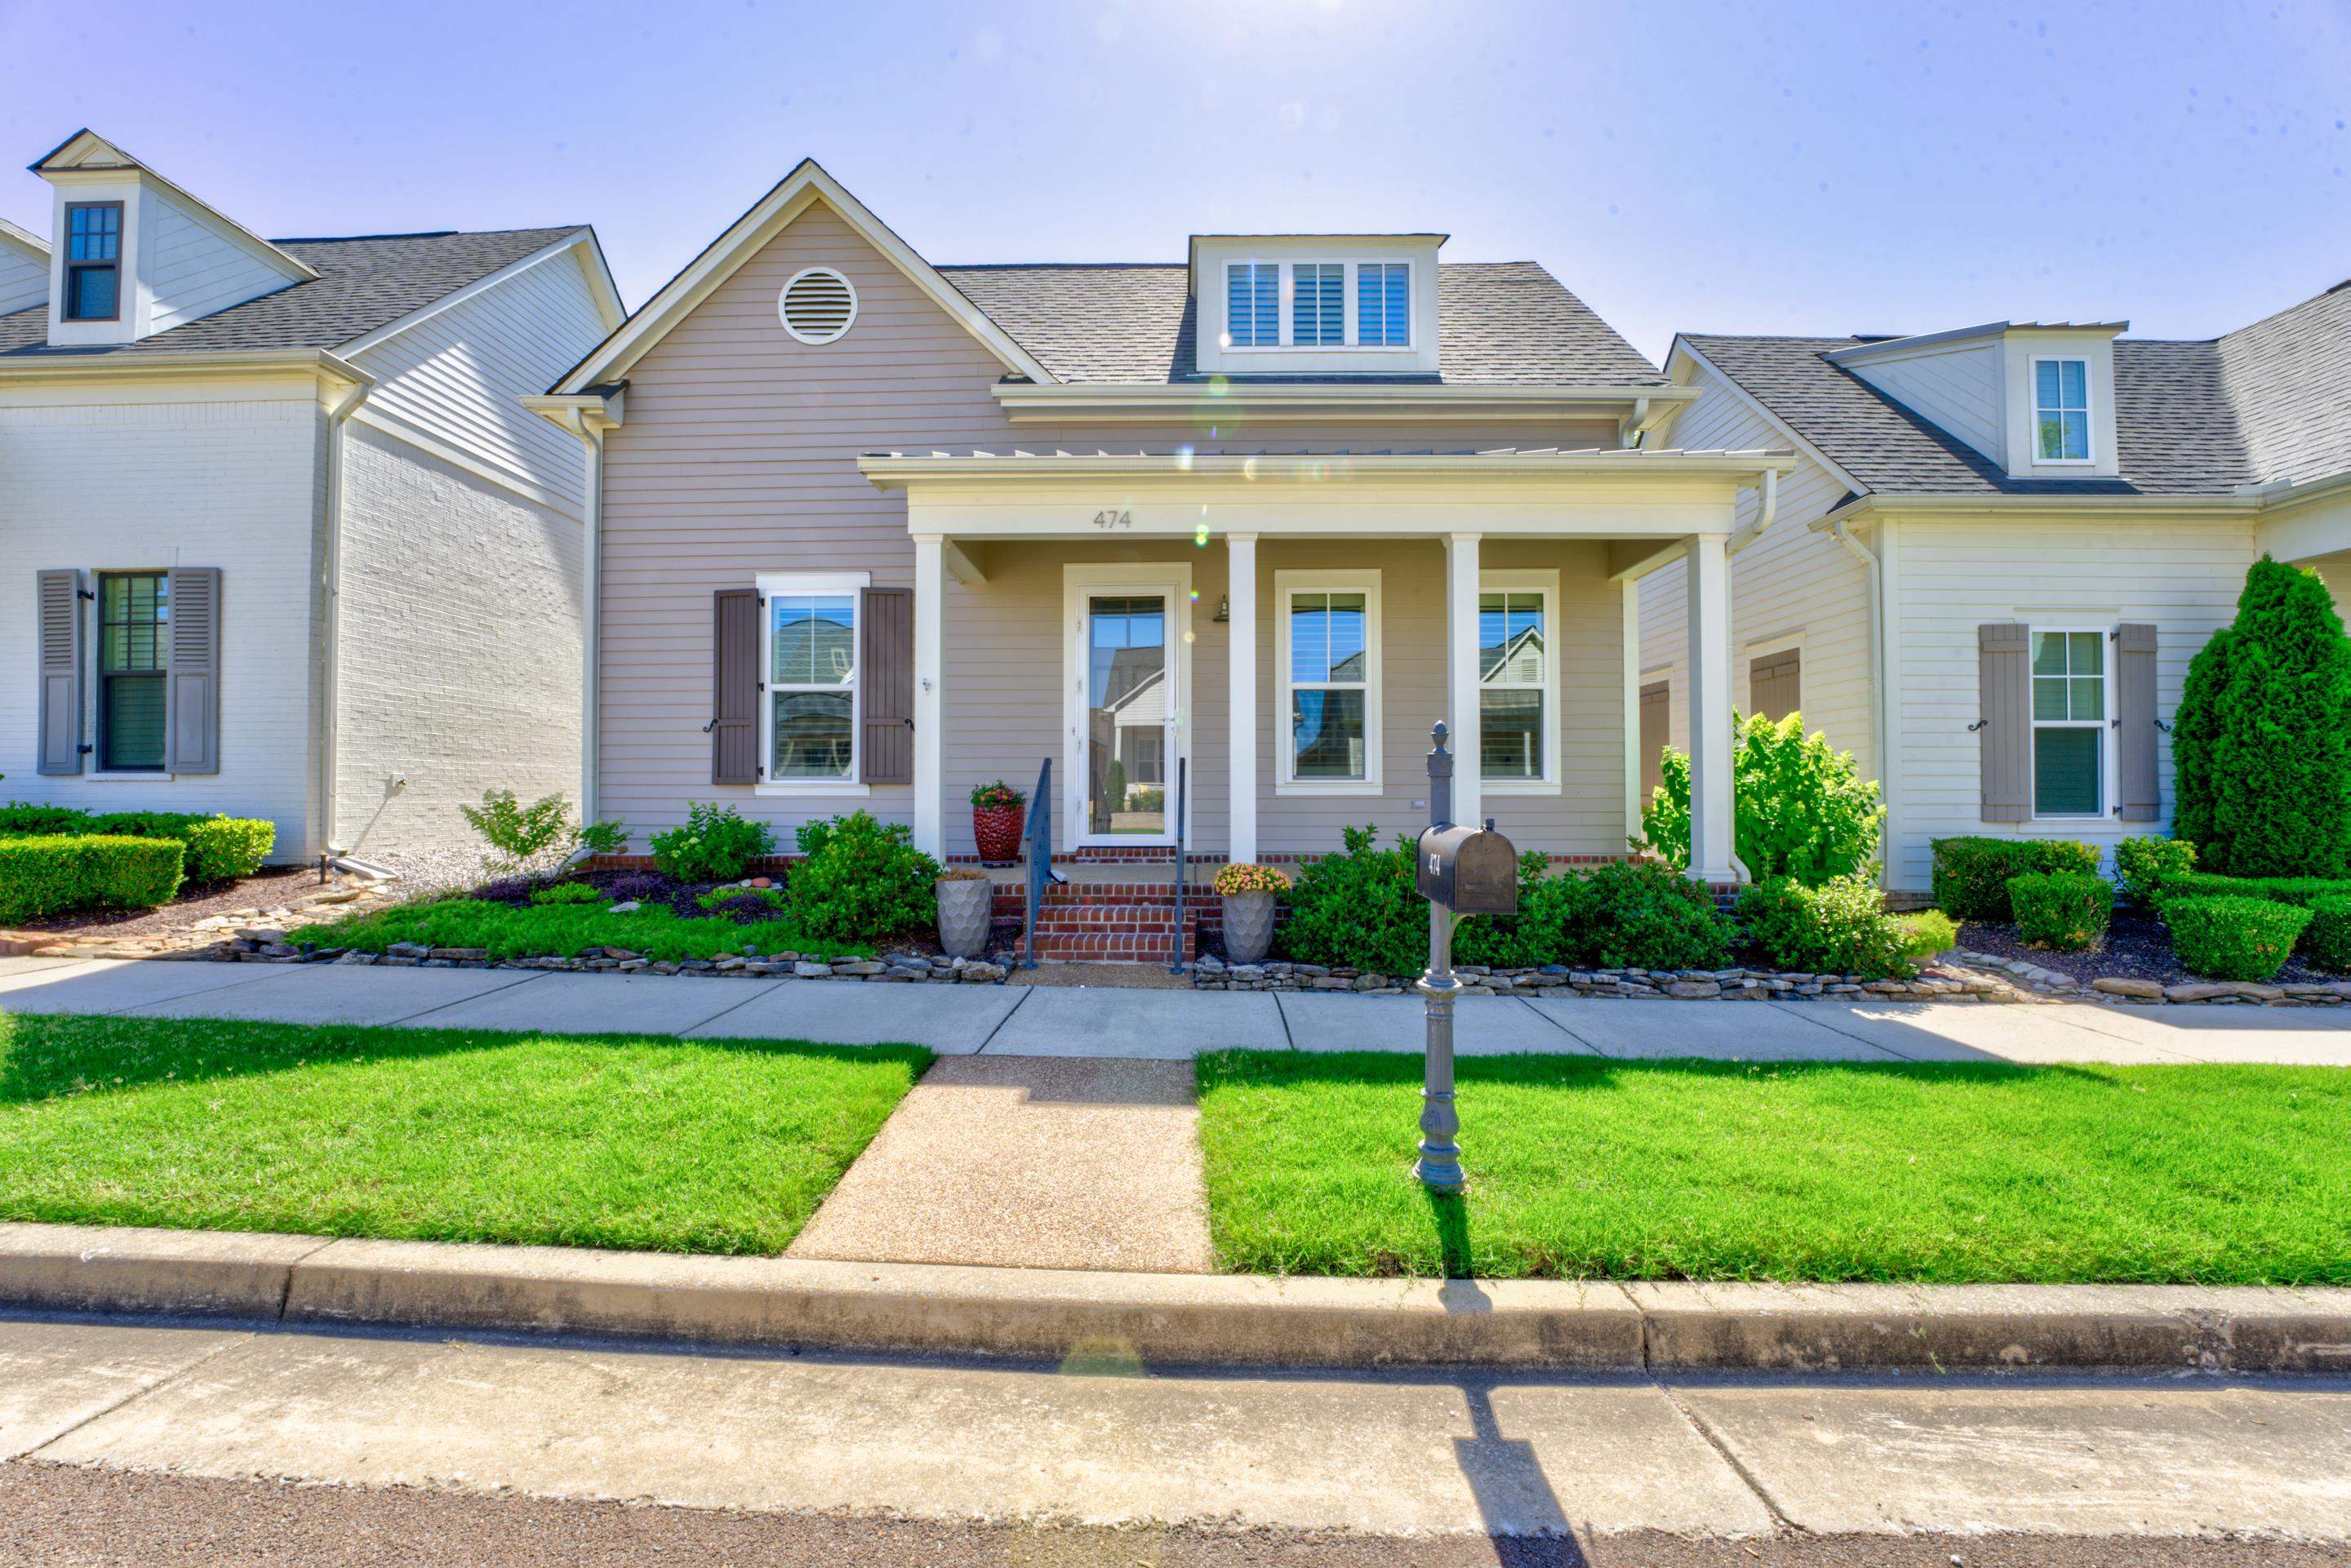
(1249, 926)
(963, 916)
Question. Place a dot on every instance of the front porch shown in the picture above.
(1256, 648)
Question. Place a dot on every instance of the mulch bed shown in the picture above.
(268, 889)
(2137, 947)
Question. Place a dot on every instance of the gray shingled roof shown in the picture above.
(362, 284)
(1506, 323)
(2263, 404)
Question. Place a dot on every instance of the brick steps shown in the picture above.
(1113, 922)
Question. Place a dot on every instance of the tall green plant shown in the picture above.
(2261, 742)
(1798, 807)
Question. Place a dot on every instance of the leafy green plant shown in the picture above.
(22, 817)
(521, 835)
(508, 931)
(2144, 864)
(714, 844)
(862, 879)
(1247, 876)
(2301, 890)
(2233, 938)
(602, 838)
(987, 797)
(41, 875)
(1115, 785)
(2327, 940)
(219, 847)
(1926, 933)
(2064, 910)
(1970, 876)
(567, 892)
(1799, 806)
(2262, 739)
(1841, 927)
(771, 898)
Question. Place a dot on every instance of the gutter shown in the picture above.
(72, 365)
(886, 470)
(339, 413)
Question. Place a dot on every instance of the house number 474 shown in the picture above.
(1112, 518)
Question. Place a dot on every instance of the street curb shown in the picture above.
(1173, 1319)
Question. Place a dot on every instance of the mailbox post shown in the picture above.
(1460, 871)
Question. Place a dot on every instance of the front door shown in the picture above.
(1126, 709)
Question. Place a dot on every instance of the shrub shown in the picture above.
(862, 879)
(716, 843)
(568, 893)
(219, 848)
(772, 899)
(522, 931)
(638, 885)
(1148, 798)
(2144, 864)
(45, 874)
(2298, 890)
(1799, 806)
(1971, 875)
(2233, 938)
(1841, 927)
(2327, 940)
(1628, 914)
(2262, 740)
(602, 838)
(1926, 933)
(506, 890)
(1241, 876)
(23, 817)
(519, 834)
(1358, 909)
(2064, 910)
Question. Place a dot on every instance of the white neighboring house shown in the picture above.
(2000, 547)
(283, 541)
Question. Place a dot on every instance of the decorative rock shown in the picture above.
(808, 971)
(626, 906)
(1693, 988)
(2115, 986)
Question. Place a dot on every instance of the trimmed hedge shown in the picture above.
(2327, 940)
(2145, 864)
(1972, 874)
(45, 874)
(2303, 891)
(219, 848)
(1840, 927)
(2233, 938)
(2066, 911)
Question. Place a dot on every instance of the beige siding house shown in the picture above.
(1219, 537)
(2059, 510)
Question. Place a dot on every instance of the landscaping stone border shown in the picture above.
(1940, 982)
(268, 945)
(2115, 990)
(1172, 1319)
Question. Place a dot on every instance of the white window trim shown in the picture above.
(2105, 727)
(1285, 296)
(2089, 410)
(1516, 581)
(855, 584)
(1285, 778)
(1078, 581)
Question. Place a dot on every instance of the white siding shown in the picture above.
(192, 272)
(24, 279)
(1950, 577)
(185, 482)
(459, 374)
(1955, 385)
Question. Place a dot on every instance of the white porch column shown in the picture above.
(930, 704)
(1708, 576)
(1461, 675)
(1240, 593)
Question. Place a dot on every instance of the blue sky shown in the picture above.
(1745, 167)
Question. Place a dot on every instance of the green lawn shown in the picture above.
(436, 1134)
(564, 930)
(1813, 1171)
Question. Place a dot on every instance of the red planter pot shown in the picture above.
(998, 828)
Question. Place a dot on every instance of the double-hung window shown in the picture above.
(1383, 304)
(1318, 304)
(1330, 677)
(811, 708)
(1253, 304)
(2060, 411)
(134, 625)
(2069, 723)
(1518, 687)
(93, 261)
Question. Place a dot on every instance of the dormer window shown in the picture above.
(1253, 304)
(93, 261)
(2061, 410)
(1304, 304)
(1317, 306)
(1383, 304)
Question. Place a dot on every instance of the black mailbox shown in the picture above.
(1470, 870)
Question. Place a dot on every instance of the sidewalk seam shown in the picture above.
(1707, 1435)
(766, 988)
(410, 1021)
(981, 1048)
(242, 1340)
(1527, 1003)
(1790, 1010)
(1282, 1013)
(199, 991)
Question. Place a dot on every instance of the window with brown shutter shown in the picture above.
(1656, 730)
(734, 686)
(1775, 685)
(888, 636)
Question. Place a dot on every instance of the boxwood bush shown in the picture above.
(2327, 940)
(219, 848)
(1971, 878)
(2145, 864)
(2064, 910)
(1841, 927)
(2301, 890)
(862, 879)
(2233, 938)
(45, 874)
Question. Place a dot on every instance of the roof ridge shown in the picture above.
(432, 234)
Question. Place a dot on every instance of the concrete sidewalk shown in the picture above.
(1167, 1025)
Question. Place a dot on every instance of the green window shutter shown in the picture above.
(191, 678)
(2135, 766)
(57, 618)
(2004, 721)
(734, 686)
(886, 670)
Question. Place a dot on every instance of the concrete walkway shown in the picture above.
(1168, 1025)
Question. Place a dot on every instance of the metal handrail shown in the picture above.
(1176, 956)
(1040, 853)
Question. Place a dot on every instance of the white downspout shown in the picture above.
(1873, 571)
(330, 731)
(1766, 507)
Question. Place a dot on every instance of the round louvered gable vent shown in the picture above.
(818, 305)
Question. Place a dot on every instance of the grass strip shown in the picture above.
(565, 931)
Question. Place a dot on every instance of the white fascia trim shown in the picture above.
(2285, 494)
(893, 470)
(2187, 507)
(1748, 401)
(1914, 341)
(791, 196)
(1158, 402)
(331, 370)
(582, 414)
(25, 240)
(607, 299)
(407, 432)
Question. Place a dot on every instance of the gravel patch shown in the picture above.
(430, 873)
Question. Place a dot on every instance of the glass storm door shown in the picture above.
(1125, 714)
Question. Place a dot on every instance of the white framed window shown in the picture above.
(1253, 304)
(1329, 651)
(1318, 304)
(810, 702)
(1518, 682)
(2061, 410)
(2072, 754)
(1383, 304)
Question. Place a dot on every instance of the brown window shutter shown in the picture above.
(886, 670)
(735, 685)
(2141, 796)
(2004, 724)
(58, 616)
(1775, 685)
(1656, 730)
(192, 677)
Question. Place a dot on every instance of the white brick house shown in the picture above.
(282, 539)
